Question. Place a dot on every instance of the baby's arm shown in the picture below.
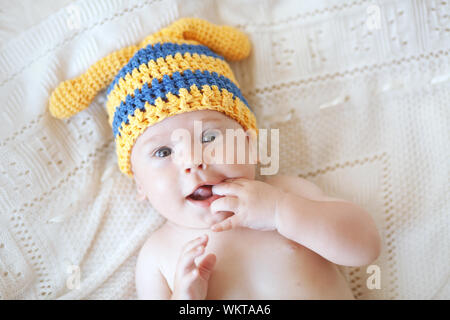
(338, 230)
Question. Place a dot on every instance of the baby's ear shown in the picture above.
(140, 195)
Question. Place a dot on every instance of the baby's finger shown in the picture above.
(227, 203)
(192, 276)
(226, 188)
(193, 243)
(206, 265)
(188, 248)
(187, 261)
(226, 224)
(238, 181)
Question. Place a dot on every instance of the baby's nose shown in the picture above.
(193, 167)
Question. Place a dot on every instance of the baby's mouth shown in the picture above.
(203, 196)
(201, 193)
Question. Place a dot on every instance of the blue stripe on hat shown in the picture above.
(159, 50)
(173, 85)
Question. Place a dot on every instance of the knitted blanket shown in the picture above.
(359, 89)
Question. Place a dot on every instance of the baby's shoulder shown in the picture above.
(156, 240)
(153, 246)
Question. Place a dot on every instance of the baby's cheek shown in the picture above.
(246, 171)
(162, 198)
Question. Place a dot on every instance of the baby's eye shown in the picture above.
(163, 152)
(210, 136)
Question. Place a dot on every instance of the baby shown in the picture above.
(227, 235)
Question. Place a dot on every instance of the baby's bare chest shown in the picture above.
(257, 265)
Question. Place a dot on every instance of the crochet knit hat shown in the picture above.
(178, 69)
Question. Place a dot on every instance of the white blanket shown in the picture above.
(360, 91)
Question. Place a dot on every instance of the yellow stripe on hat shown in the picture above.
(227, 41)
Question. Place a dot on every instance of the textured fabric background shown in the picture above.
(360, 91)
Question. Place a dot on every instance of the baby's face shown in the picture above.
(166, 174)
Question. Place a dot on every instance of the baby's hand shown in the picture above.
(253, 202)
(191, 281)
